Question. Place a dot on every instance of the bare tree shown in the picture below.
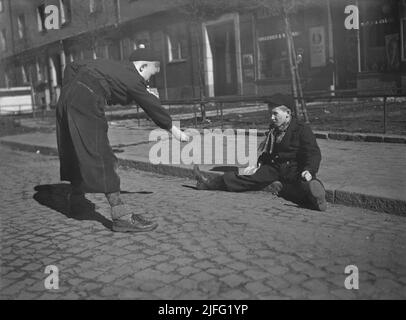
(93, 18)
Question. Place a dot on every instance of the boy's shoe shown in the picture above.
(137, 224)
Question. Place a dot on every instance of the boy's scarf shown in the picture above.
(274, 135)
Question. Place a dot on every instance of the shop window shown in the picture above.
(273, 58)
(380, 36)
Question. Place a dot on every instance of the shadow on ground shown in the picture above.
(55, 197)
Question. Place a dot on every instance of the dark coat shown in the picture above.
(298, 151)
(298, 146)
(86, 157)
(122, 84)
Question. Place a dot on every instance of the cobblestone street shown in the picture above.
(209, 245)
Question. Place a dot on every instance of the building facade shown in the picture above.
(235, 53)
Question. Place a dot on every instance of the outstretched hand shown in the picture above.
(250, 170)
(179, 134)
(306, 175)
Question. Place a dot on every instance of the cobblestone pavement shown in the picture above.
(209, 245)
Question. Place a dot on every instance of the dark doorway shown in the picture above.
(222, 43)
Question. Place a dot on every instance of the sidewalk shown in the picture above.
(362, 174)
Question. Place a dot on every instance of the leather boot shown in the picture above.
(275, 187)
(316, 194)
(208, 183)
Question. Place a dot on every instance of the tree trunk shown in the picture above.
(200, 70)
(291, 64)
(296, 83)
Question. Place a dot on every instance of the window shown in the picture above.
(102, 52)
(273, 57)
(38, 71)
(176, 43)
(175, 52)
(141, 40)
(24, 77)
(113, 51)
(403, 30)
(272, 49)
(65, 9)
(92, 6)
(1, 6)
(7, 80)
(380, 36)
(96, 6)
(77, 54)
(3, 44)
(41, 18)
(21, 26)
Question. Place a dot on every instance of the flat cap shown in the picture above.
(143, 54)
(280, 99)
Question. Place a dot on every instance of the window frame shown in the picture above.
(174, 40)
(24, 76)
(3, 40)
(403, 38)
(21, 27)
(41, 19)
(96, 6)
(65, 9)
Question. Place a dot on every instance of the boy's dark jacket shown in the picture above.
(298, 146)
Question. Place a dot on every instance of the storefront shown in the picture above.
(311, 34)
(381, 43)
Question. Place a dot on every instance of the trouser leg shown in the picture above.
(114, 199)
(124, 218)
(263, 177)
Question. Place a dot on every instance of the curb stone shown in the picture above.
(374, 203)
